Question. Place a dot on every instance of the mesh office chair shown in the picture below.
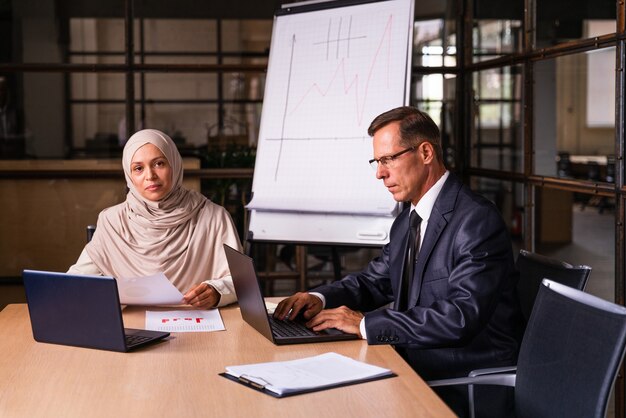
(534, 268)
(570, 354)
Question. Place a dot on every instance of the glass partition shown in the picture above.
(254, 35)
(574, 113)
(184, 37)
(495, 38)
(194, 108)
(579, 229)
(93, 36)
(497, 119)
(435, 95)
(561, 21)
(433, 43)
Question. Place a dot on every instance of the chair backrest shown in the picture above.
(90, 231)
(534, 268)
(570, 354)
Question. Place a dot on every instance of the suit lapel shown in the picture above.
(443, 207)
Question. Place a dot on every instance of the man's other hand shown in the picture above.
(300, 302)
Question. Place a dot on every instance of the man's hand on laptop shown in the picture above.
(300, 303)
(310, 308)
(341, 318)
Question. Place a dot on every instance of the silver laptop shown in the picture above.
(82, 311)
(253, 309)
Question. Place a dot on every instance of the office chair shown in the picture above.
(594, 174)
(90, 231)
(563, 165)
(610, 169)
(569, 358)
(608, 202)
(534, 267)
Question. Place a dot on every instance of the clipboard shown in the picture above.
(280, 379)
(261, 388)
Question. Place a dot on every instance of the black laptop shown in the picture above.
(82, 311)
(253, 309)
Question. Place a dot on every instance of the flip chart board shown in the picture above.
(333, 67)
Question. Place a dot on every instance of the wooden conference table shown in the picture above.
(179, 377)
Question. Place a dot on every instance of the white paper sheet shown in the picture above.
(325, 370)
(184, 321)
(270, 307)
(148, 290)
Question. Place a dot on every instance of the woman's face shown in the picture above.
(151, 173)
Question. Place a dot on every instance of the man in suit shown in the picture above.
(457, 310)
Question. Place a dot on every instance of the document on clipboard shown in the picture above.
(310, 374)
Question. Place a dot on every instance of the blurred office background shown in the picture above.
(528, 94)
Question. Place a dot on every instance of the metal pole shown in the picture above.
(463, 87)
(130, 73)
(220, 82)
(142, 75)
(529, 150)
(620, 127)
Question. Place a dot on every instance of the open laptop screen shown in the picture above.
(253, 309)
(77, 310)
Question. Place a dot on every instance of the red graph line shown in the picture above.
(348, 85)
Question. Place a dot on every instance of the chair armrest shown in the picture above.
(492, 370)
(507, 379)
(500, 379)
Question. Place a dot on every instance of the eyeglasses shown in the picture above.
(388, 160)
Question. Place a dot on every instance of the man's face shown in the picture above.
(405, 175)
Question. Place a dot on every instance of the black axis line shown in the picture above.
(349, 34)
(338, 36)
(330, 23)
(282, 130)
(332, 41)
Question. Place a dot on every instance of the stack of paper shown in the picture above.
(305, 375)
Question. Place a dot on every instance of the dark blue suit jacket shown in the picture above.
(463, 310)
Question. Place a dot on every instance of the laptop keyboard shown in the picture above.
(132, 340)
(289, 328)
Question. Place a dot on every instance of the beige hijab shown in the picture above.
(180, 235)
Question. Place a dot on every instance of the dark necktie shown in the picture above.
(409, 262)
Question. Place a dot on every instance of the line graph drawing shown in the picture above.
(354, 84)
(330, 72)
(333, 67)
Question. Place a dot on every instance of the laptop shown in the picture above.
(82, 311)
(254, 312)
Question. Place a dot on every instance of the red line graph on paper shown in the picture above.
(353, 83)
(350, 84)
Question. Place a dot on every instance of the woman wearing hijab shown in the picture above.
(163, 227)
